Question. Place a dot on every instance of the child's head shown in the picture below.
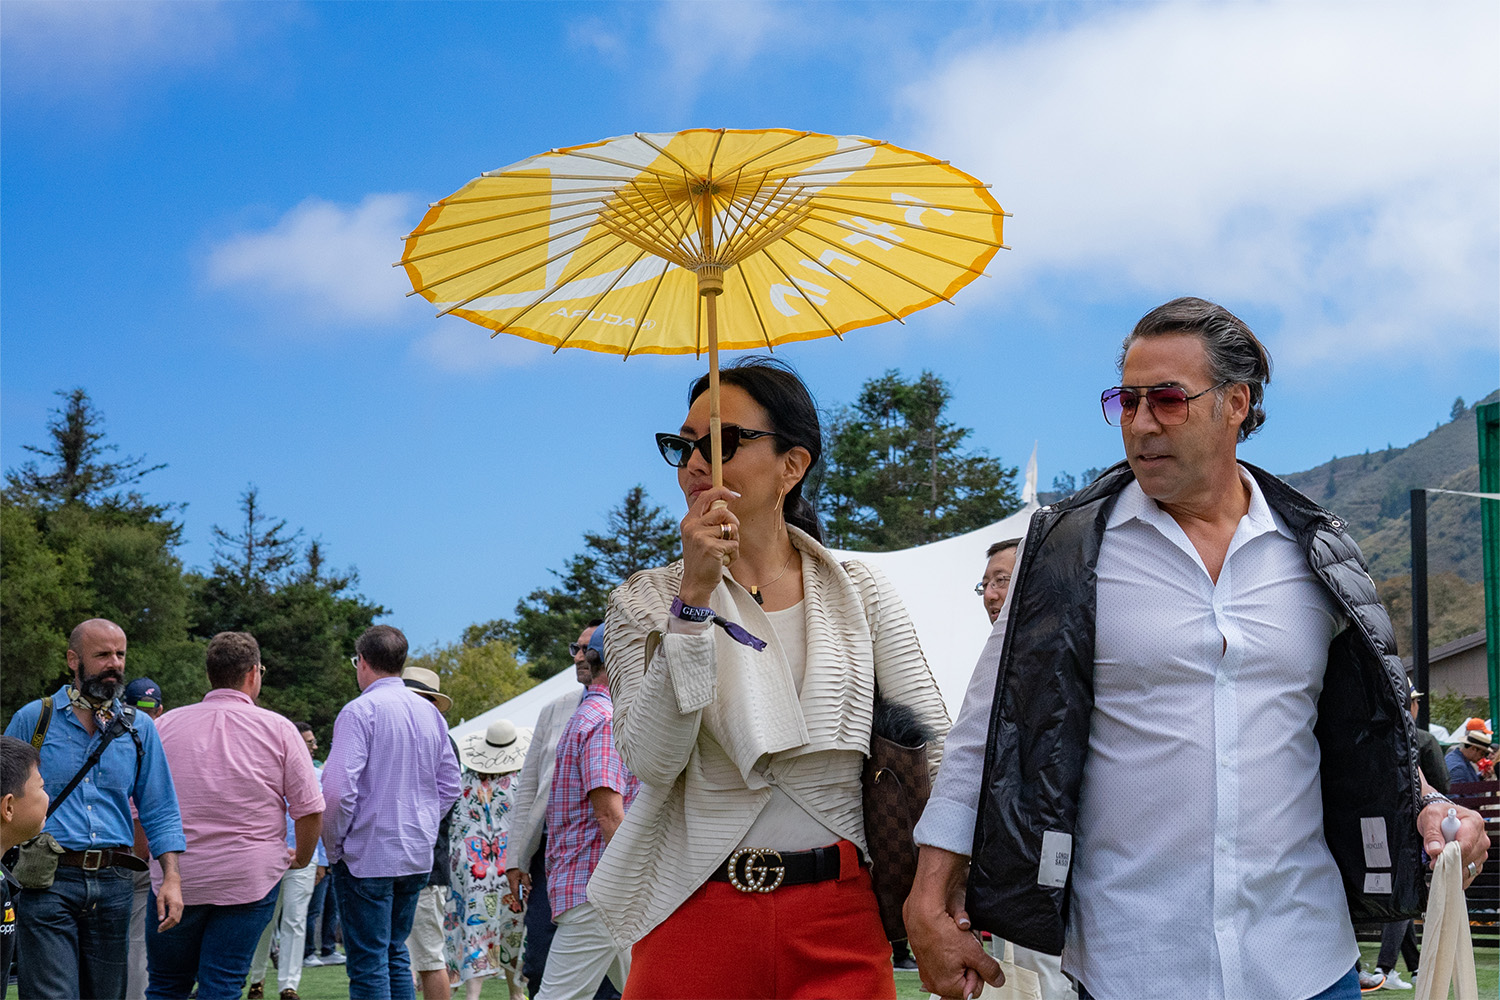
(23, 799)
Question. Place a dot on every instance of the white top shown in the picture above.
(1200, 868)
(783, 824)
(712, 727)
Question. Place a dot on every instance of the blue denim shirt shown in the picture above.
(97, 814)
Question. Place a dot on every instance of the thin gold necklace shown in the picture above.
(755, 591)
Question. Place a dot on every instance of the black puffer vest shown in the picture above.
(1039, 725)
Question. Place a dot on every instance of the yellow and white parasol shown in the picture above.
(626, 246)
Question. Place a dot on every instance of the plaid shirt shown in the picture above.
(586, 760)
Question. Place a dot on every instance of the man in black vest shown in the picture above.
(1185, 753)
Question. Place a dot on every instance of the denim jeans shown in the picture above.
(376, 914)
(211, 945)
(73, 939)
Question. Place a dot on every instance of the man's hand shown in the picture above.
(322, 874)
(1472, 839)
(950, 959)
(169, 899)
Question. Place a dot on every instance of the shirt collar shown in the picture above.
(387, 681)
(598, 687)
(228, 694)
(1133, 504)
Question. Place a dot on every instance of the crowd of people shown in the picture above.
(1183, 766)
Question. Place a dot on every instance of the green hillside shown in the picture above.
(1373, 492)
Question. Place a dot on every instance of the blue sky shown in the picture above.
(199, 204)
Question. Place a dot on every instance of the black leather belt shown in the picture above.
(104, 857)
(760, 869)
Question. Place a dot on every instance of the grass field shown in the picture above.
(330, 982)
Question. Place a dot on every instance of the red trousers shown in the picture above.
(814, 941)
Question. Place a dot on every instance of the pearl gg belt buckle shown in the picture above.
(749, 872)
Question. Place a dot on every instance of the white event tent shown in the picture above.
(935, 581)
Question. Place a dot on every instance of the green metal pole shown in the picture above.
(1489, 534)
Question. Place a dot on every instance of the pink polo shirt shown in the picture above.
(239, 770)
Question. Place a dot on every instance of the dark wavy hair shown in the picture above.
(1234, 353)
(794, 418)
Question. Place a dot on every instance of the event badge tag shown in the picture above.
(1057, 856)
(1377, 853)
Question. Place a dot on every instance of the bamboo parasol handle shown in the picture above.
(710, 285)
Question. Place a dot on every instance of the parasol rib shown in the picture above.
(791, 281)
(848, 284)
(636, 168)
(860, 255)
(496, 260)
(504, 195)
(661, 278)
(487, 239)
(797, 137)
(634, 239)
(833, 194)
(545, 207)
(597, 299)
(547, 293)
(519, 274)
(850, 227)
(866, 168)
(765, 332)
(736, 202)
(686, 170)
(655, 231)
(824, 154)
(901, 223)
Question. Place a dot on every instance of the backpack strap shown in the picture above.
(127, 716)
(43, 721)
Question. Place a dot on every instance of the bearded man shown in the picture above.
(73, 936)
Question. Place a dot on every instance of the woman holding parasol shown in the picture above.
(744, 679)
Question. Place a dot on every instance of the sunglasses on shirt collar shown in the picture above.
(678, 450)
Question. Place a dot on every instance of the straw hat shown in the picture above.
(499, 749)
(426, 683)
(1478, 739)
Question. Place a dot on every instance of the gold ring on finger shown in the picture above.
(725, 531)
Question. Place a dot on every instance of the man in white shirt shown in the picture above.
(1184, 752)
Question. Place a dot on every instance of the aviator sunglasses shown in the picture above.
(678, 450)
(1168, 403)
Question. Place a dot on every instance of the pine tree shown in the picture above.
(900, 475)
(260, 552)
(640, 536)
(81, 474)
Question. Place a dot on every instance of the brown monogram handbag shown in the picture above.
(896, 787)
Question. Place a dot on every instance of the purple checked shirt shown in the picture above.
(388, 780)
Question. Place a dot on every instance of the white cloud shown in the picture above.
(459, 346)
(695, 38)
(331, 261)
(54, 48)
(1339, 163)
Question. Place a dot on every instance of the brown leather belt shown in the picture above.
(105, 857)
(760, 869)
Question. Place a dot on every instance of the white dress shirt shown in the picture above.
(1200, 869)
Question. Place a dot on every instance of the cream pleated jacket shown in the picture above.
(709, 725)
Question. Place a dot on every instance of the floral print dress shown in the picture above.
(483, 936)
